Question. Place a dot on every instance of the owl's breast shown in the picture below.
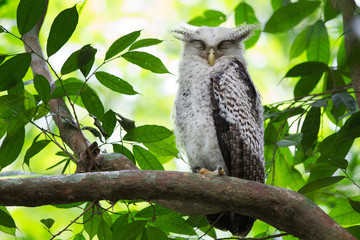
(194, 125)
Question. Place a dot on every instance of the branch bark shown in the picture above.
(69, 130)
(351, 25)
(280, 207)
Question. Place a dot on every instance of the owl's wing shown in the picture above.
(237, 113)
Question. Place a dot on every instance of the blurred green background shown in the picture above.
(101, 23)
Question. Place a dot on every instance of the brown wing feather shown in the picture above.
(238, 156)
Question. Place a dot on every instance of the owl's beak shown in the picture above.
(211, 56)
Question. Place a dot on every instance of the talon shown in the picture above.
(221, 171)
(197, 169)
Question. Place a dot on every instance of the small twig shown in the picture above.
(73, 221)
(347, 175)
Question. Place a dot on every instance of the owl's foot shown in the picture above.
(220, 171)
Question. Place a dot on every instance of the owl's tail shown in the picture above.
(237, 224)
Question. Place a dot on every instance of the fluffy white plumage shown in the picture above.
(218, 112)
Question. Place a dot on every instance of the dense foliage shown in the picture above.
(309, 140)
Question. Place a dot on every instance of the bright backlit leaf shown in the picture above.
(146, 61)
(319, 46)
(145, 43)
(210, 18)
(121, 44)
(290, 140)
(148, 134)
(145, 159)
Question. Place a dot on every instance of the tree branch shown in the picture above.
(69, 130)
(280, 207)
(351, 24)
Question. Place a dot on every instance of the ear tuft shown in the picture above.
(244, 32)
(182, 33)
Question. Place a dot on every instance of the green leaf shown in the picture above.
(154, 233)
(145, 43)
(8, 230)
(11, 146)
(197, 221)
(153, 211)
(276, 4)
(300, 43)
(341, 55)
(69, 205)
(174, 223)
(29, 13)
(329, 11)
(306, 84)
(320, 183)
(339, 162)
(245, 14)
(2, 56)
(148, 134)
(320, 103)
(307, 68)
(79, 236)
(43, 88)
(48, 222)
(344, 214)
(92, 102)
(6, 219)
(34, 149)
(145, 159)
(104, 231)
(165, 147)
(319, 45)
(130, 231)
(13, 70)
(61, 30)
(290, 140)
(310, 128)
(91, 221)
(120, 44)
(146, 61)
(115, 83)
(119, 222)
(355, 205)
(72, 86)
(109, 122)
(210, 18)
(290, 15)
(334, 80)
(82, 59)
(346, 99)
(123, 150)
(286, 175)
(354, 230)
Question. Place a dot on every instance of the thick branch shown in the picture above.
(68, 128)
(351, 24)
(280, 207)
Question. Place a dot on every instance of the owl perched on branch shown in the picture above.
(218, 112)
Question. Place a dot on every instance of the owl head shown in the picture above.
(211, 43)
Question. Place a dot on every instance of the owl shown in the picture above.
(218, 113)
